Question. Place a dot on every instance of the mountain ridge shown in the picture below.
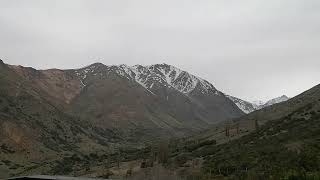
(158, 80)
(99, 108)
(58, 116)
(141, 97)
(163, 73)
(248, 107)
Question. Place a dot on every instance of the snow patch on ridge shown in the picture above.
(249, 107)
(149, 76)
(245, 106)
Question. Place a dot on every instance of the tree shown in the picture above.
(227, 130)
(163, 152)
(256, 124)
(118, 159)
(238, 128)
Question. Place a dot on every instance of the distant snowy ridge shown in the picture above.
(245, 106)
(258, 103)
(276, 100)
(248, 107)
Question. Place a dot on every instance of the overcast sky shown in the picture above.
(252, 49)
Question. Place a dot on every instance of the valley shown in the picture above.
(157, 121)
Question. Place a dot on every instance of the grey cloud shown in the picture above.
(253, 49)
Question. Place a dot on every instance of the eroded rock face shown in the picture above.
(62, 85)
(15, 135)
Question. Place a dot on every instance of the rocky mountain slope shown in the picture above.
(48, 114)
(34, 128)
(149, 98)
(248, 107)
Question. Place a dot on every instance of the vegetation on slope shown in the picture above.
(285, 148)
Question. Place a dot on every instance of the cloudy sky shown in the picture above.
(252, 49)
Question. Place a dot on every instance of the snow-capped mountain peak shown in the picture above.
(147, 76)
(181, 80)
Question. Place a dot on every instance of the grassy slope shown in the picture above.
(287, 144)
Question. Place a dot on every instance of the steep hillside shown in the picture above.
(46, 115)
(33, 130)
(286, 146)
(283, 142)
(280, 110)
(158, 98)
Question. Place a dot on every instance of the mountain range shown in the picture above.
(99, 108)
(160, 97)
(72, 121)
(248, 107)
